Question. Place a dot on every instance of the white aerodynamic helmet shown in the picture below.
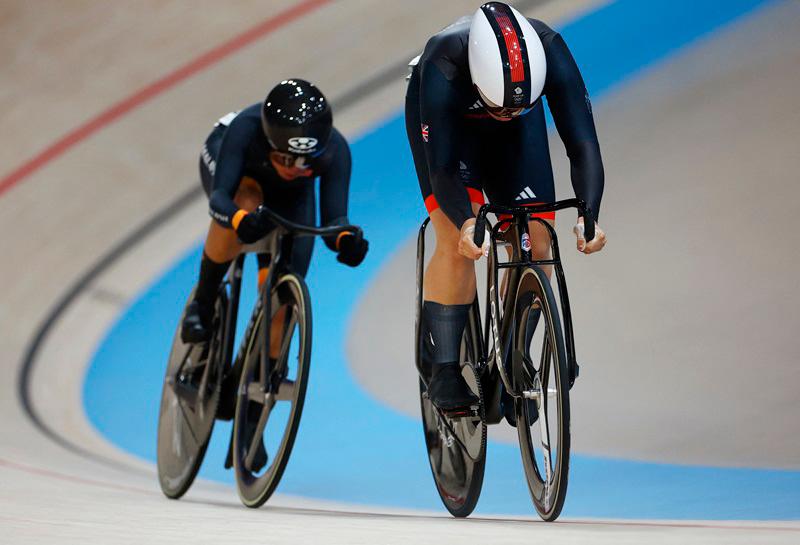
(506, 60)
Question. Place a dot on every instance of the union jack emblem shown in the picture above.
(425, 133)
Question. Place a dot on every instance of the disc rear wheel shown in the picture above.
(189, 401)
(456, 444)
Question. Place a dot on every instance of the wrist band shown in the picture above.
(238, 217)
(339, 238)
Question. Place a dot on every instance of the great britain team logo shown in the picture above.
(302, 144)
(424, 133)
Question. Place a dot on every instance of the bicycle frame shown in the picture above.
(234, 281)
(276, 245)
(502, 335)
(497, 330)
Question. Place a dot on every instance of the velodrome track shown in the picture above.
(80, 224)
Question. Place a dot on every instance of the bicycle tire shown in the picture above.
(254, 489)
(176, 470)
(457, 447)
(548, 484)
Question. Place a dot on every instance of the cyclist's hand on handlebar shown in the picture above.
(594, 245)
(251, 228)
(466, 242)
(351, 247)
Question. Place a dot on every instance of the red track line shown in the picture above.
(154, 89)
(71, 478)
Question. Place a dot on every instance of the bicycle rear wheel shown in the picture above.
(189, 401)
(270, 401)
(457, 444)
(541, 373)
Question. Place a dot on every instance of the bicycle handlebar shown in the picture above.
(480, 222)
(309, 230)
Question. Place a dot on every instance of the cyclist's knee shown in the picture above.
(454, 261)
(540, 240)
(447, 233)
(540, 249)
(248, 196)
(446, 252)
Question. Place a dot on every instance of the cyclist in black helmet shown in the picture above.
(270, 153)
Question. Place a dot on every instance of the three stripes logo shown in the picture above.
(525, 194)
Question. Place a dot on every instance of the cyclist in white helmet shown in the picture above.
(476, 125)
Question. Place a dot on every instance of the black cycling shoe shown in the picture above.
(448, 390)
(196, 325)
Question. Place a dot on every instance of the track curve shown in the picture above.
(83, 494)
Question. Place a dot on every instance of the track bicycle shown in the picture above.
(271, 391)
(520, 362)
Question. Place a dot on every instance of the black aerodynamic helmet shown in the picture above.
(297, 118)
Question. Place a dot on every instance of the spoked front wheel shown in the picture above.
(189, 401)
(541, 376)
(457, 443)
(271, 392)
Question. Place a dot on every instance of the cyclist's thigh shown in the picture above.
(516, 164)
(208, 158)
(299, 206)
(414, 133)
(465, 154)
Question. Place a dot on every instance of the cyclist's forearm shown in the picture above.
(331, 241)
(222, 208)
(452, 197)
(588, 177)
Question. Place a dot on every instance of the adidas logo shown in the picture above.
(525, 194)
(476, 106)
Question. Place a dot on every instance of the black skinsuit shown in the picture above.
(459, 150)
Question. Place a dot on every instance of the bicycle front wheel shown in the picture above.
(270, 400)
(541, 376)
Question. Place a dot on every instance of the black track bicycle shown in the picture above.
(520, 361)
(271, 391)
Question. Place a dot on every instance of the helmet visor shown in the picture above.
(284, 159)
(290, 160)
(290, 166)
(500, 111)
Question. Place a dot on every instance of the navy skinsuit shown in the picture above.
(459, 150)
(237, 148)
